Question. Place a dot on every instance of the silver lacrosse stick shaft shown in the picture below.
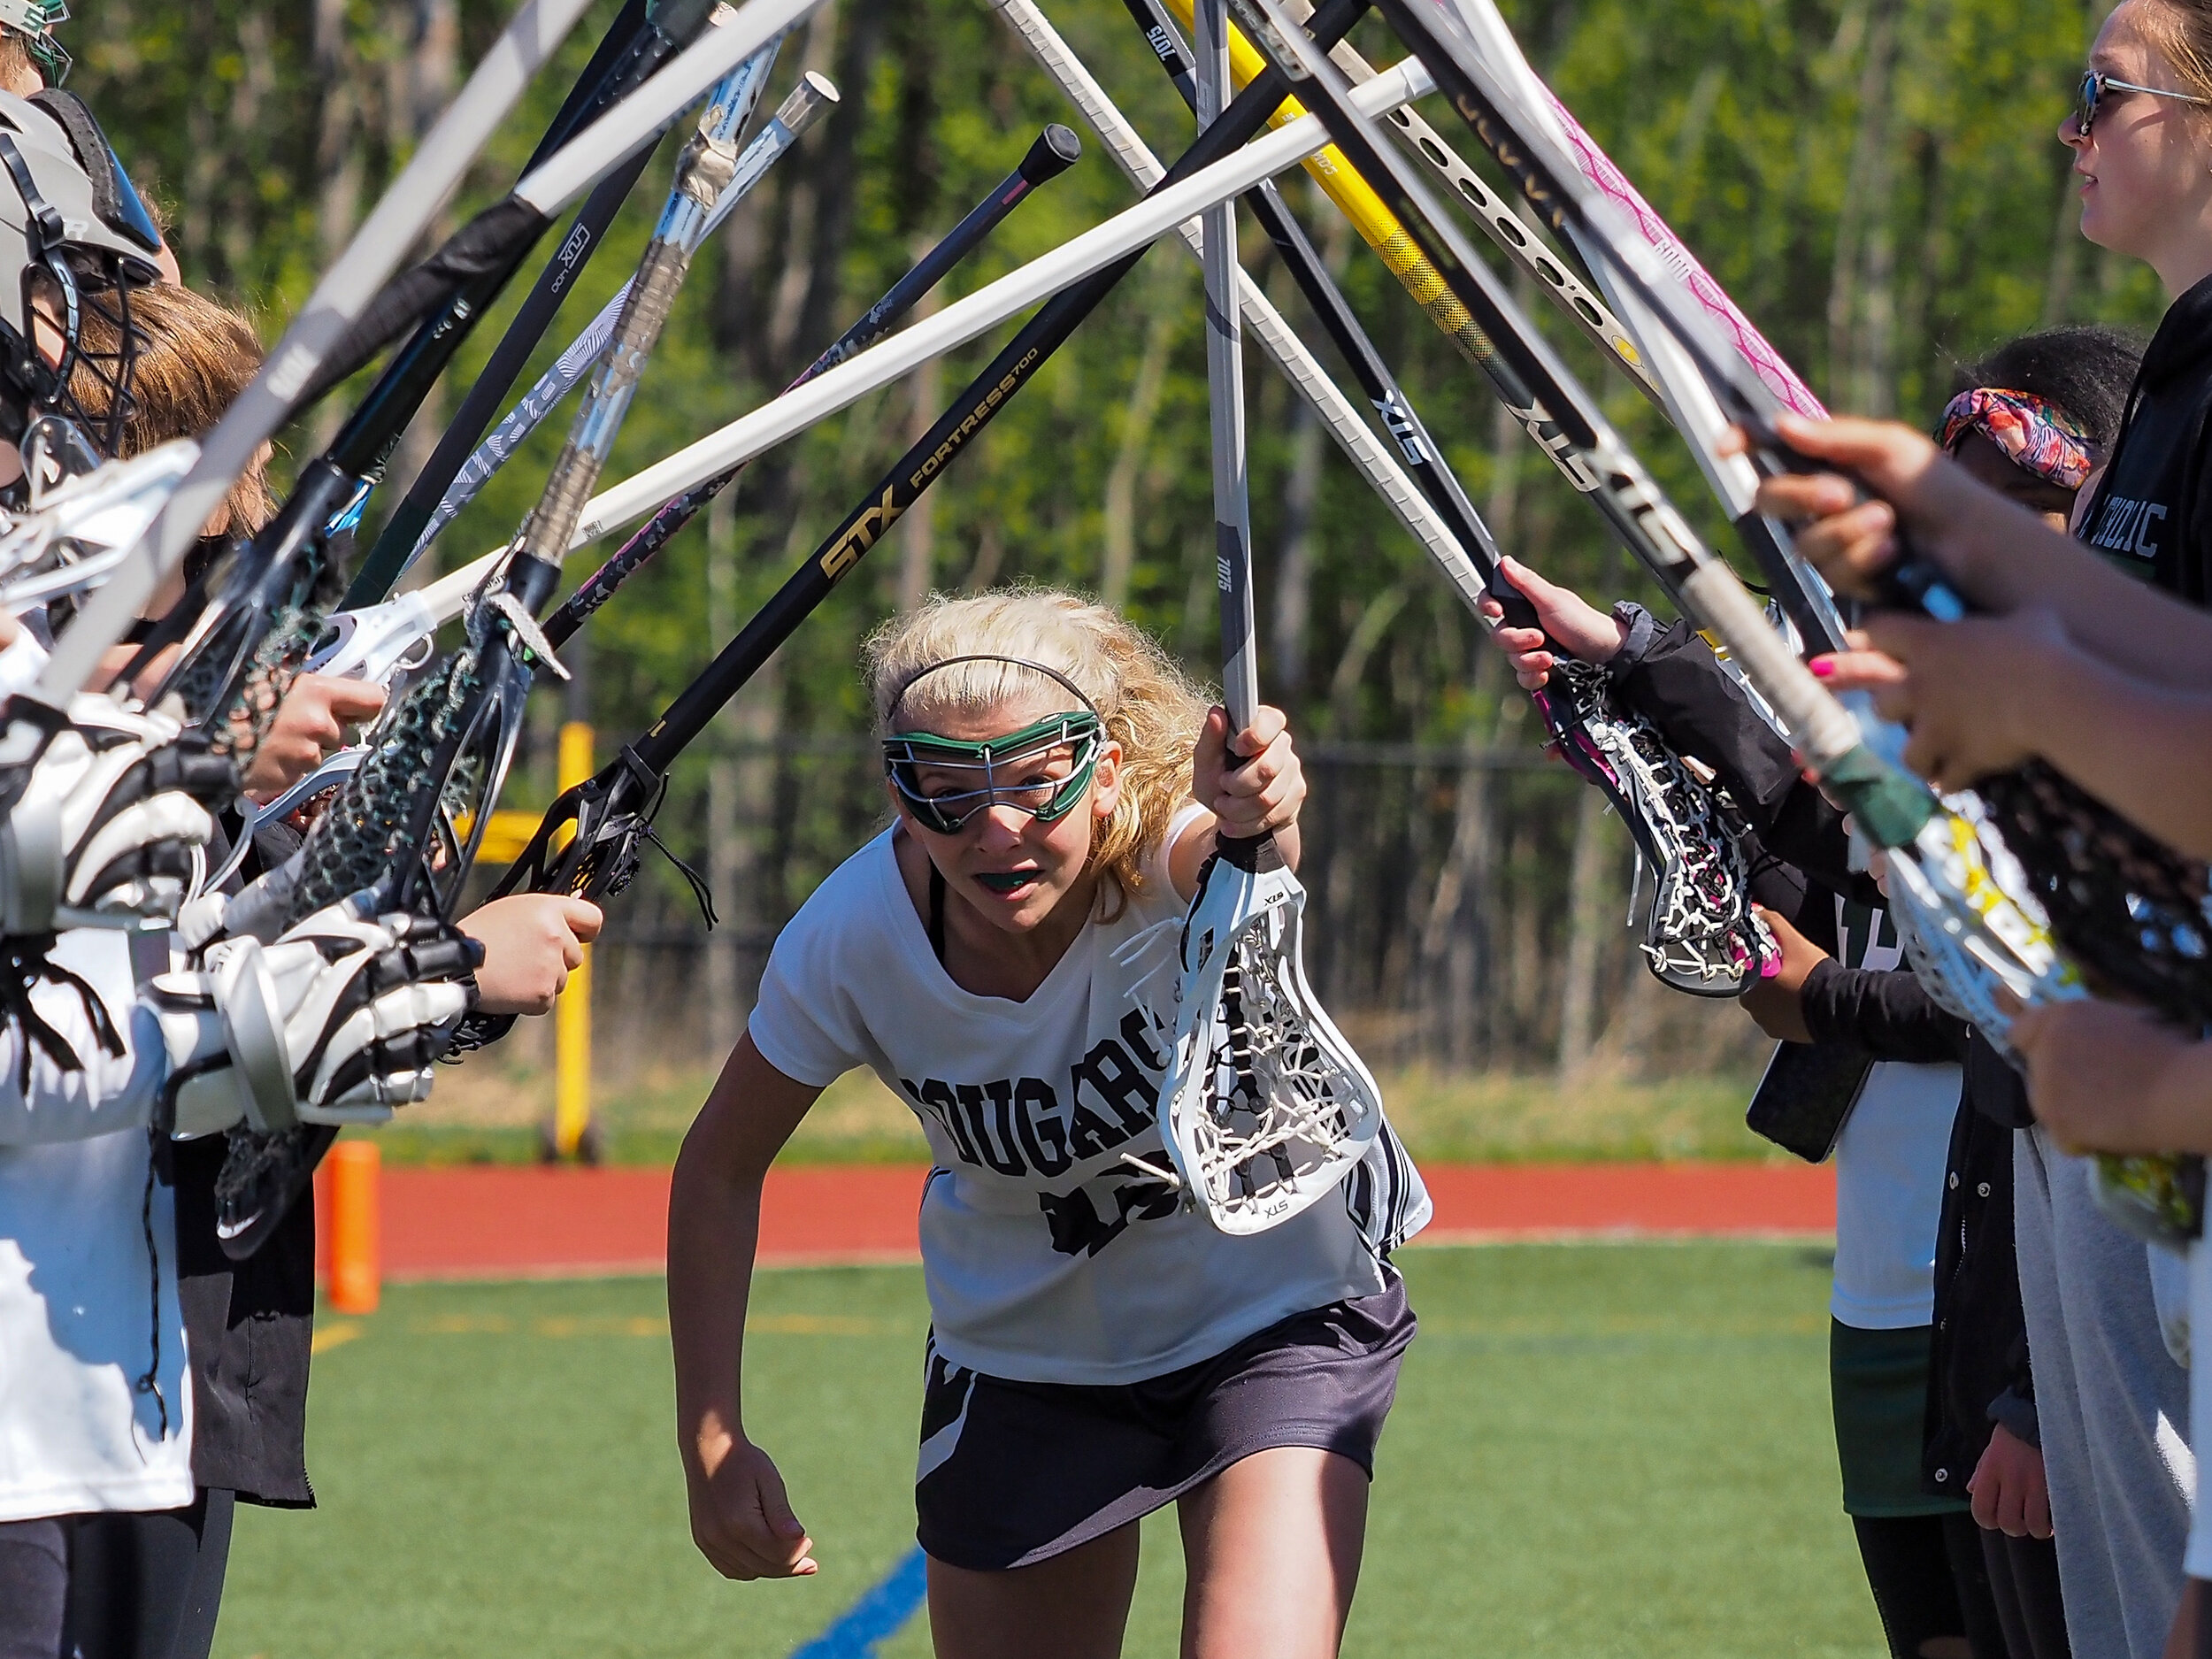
(1225, 394)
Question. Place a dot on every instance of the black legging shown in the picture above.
(1929, 1582)
(147, 1586)
(2023, 1575)
(33, 1587)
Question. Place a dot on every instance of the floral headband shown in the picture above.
(2035, 434)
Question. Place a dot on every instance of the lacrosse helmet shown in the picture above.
(78, 239)
(33, 22)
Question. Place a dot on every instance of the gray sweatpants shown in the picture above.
(2112, 1405)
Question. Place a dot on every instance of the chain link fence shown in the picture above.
(1466, 909)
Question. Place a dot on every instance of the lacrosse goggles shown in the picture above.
(1012, 769)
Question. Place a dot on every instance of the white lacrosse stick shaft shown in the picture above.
(1224, 395)
(965, 318)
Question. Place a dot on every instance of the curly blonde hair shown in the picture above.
(1149, 706)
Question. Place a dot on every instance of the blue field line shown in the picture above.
(883, 1608)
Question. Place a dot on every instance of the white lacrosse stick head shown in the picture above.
(1969, 925)
(82, 529)
(1266, 1107)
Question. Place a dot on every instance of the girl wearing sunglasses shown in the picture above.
(1004, 957)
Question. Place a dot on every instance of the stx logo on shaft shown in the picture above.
(867, 528)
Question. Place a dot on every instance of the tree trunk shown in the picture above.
(724, 1018)
(337, 156)
(1591, 902)
(1864, 244)
(1136, 431)
(1293, 566)
(434, 39)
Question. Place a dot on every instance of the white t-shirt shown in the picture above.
(79, 1298)
(1891, 1160)
(1048, 1258)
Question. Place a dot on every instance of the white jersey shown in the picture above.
(1891, 1160)
(87, 1266)
(1049, 1256)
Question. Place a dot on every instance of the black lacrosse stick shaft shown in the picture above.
(968, 415)
(372, 582)
(283, 557)
(367, 439)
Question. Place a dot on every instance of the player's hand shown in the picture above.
(2095, 1071)
(1776, 1004)
(1572, 622)
(2008, 1490)
(310, 722)
(1850, 540)
(1263, 793)
(1955, 686)
(741, 1519)
(533, 942)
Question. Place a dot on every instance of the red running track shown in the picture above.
(500, 1221)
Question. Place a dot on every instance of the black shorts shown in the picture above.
(1016, 1472)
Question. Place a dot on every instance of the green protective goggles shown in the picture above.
(1017, 769)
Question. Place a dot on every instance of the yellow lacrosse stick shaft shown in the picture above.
(1377, 225)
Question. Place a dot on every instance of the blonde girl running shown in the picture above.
(1002, 956)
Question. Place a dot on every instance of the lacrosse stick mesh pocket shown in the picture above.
(2133, 913)
(1700, 936)
(1269, 1108)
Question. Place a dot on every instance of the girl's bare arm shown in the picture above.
(740, 1518)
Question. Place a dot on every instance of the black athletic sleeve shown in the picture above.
(1885, 1013)
(1670, 676)
(1994, 1089)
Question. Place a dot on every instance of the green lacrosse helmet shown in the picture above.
(33, 21)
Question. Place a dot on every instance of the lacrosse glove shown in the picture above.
(338, 1022)
(110, 823)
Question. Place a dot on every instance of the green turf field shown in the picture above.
(1596, 1450)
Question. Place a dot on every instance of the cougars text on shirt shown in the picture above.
(1019, 1126)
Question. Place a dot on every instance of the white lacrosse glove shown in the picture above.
(338, 1022)
(110, 826)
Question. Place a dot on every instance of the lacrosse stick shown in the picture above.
(1264, 1108)
(386, 645)
(76, 534)
(1981, 909)
(811, 98)
(1896, 812)
(612, 813)
(443, 753)
(1701, 934)
(258, 622)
